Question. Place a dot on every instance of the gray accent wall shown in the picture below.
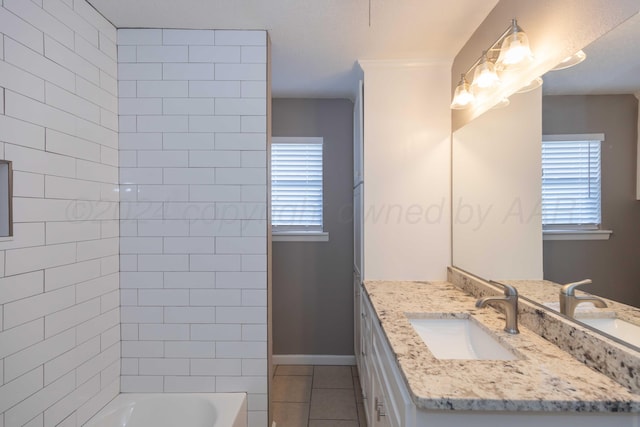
(614, 264)
(312, 281)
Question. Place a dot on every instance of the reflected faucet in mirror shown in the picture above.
(569, 300)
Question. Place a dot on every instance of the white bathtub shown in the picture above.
(173, 410)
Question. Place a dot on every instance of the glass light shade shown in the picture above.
(462, 97)
(485, 76)
(504, 102)
(570, 61)
(515, 50)
(533, 84)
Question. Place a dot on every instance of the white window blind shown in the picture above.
(571, 181)
(296, 184)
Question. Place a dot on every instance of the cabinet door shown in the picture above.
(399, 408)
(357, 320)
(358, 235)
(366, 346)
(358, 136)
(379, 416)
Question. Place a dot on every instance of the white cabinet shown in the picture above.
(399, 409)
(357, 220)
(364, 366)
(358, 185)
(358, 236)
(358, 137)
(387, 403)
(379, 417)
(357, 316)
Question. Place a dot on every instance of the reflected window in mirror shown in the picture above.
(571, 184)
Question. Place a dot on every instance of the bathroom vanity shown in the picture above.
(404, 384)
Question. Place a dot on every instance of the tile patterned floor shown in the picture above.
(317, 396)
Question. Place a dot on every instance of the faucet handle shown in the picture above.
(569, 288)
(509, 290)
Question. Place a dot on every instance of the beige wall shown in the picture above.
(407, 156)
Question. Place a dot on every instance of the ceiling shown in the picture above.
(612, 66)
(315, 44)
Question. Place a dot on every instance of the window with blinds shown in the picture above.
(571, 181)
(296, 184)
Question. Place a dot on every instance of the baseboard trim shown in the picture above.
(313, 359)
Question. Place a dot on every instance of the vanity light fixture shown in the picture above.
(533, 84)
(515, 50)
(485, 76)
(508, 53)
(463, 97)
(570, 61)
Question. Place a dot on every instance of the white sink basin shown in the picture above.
(459, 339)
(615, 327)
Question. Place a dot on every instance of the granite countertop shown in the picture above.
(544, 378)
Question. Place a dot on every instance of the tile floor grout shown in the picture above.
(317, 396)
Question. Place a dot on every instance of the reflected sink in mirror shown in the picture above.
(615, 327)
(459, 339)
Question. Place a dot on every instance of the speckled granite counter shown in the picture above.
(619, 362)
(545, 378)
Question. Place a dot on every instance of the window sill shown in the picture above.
(299, 236)
(576, 234)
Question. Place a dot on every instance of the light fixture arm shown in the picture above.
(495, 47)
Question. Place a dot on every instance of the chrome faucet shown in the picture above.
(510, 304)
(569, 301)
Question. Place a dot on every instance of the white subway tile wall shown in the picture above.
(193, 213)
(60, 346)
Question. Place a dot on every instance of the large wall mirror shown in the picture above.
(597, 97)
(497, 177)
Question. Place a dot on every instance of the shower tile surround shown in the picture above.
(193, 186)
(193, 220)
(59, 298)
(618, 362)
